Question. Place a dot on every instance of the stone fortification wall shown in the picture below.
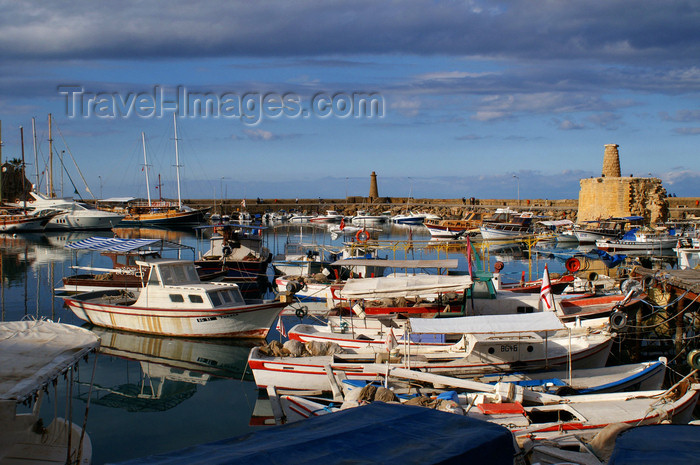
(606, 197)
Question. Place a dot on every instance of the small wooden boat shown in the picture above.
(34, 355)
(454, 228)
(19, 223)
(174, 302)
(488, 344)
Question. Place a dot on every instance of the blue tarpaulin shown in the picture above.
(657, 444)
(377, 433)
(611, 261)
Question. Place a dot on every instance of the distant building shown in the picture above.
(612, 195)
(373, 189)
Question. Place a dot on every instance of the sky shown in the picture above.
(279, 99)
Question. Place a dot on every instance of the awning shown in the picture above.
(117, 200)
(403, 286)
(116, 244)
(518, 323)
(448, 263)
(557, 223)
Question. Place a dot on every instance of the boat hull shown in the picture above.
(250, 321)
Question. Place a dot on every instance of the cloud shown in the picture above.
(568, 125)
(262, 135)
(687, 131)
(681, 116)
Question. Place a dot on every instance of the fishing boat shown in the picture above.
(300, 259)
(488, 344)
(440, 228)
(72, 215)
(611, 228)
(581, 415)
(507, 227)
(34, 356)
(174, 302)
(637, 240)
(22, 222)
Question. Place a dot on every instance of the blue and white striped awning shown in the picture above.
(111, 244)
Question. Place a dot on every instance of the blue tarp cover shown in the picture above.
(657, 444)
(377, 433)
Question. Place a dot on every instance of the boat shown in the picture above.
(375, 433)
(508, 226)
(22, 222)
(611, 228)
(666, 444)
(454, 228)
(331, 216)
(300, 259)
(488, 344)
(581, 415)
(238, 250)
(637, 240)
(72, 215)
(34, 355)
(408, 218)
(300, 218)
(160, 213)
(174, 302)
(362, 218)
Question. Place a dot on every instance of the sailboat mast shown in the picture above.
(177, 163)
(24, 193)
(36, 156)
(145, 167)
(1, 166)
(49, 186)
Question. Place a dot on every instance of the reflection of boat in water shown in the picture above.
(171, 368)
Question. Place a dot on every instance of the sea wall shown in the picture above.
(606, 197)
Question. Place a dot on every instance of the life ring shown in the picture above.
(362, 235)
(291, 287)
(618, 320)
(572, 265)
(694, 359)
(498, 266)
(301, 312)
(226, 250)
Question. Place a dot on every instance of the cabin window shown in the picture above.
(195, 299)
(214, 296)
(525, 310)
(237, 298)
(167, 276)
(226, 296)
(153, 277)
(180, 274)
(176, 298)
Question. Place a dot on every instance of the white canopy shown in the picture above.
(518, 323)
(403, 286)
(557, 223)
(34, 352)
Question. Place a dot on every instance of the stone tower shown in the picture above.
(373, 190)
(611, 161)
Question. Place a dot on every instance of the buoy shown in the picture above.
(362, 236)
(301, 312)
(226, 251)
(498, 266)
(572, 265)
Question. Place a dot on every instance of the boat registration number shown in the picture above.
(509, 348)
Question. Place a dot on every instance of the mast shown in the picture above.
(177, 163)
(36, 157)
(49, 186)
(24, 194)
(145, 167)
(1, 167)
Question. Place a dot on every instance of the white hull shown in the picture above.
(656, 244)
(488, 233)
(89, 221)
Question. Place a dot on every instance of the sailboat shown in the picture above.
(160, 213)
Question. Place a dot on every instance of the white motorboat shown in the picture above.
(408, 218)
(72, 215)
(34, 355)
(331, 216)
(637, 240)
(362, 218)
(174, 302)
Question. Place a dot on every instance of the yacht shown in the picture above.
(73, 215)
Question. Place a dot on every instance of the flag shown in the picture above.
(469, 256)
(390, 340)
(342, 224)
(243, 203)
(280, 327)
(546, 290)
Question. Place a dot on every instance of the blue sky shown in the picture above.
(472, 94)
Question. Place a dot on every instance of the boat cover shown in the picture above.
(557, 223)
(448, 263)
(376, 433)
(403, 286)
(34, 352)
(518, 323)
(654, 444)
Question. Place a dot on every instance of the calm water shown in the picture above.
(154, 394)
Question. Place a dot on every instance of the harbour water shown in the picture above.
(153, 394)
